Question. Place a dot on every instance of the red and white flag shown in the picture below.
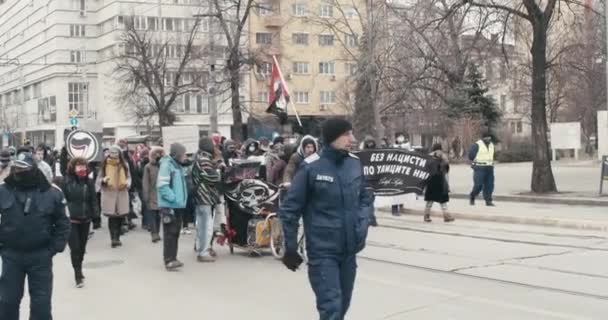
(279, 94)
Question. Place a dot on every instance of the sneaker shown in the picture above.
(448, 218)
(205, 259)
(79, 283)
(155, 238)
(186, 231)
(116, 243)
(472, 201)
(490, 204)
(427, 218)
(173, 265)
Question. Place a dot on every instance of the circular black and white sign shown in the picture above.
(83, 144)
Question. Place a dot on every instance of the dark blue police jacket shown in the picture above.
(330, 192)
(46, 226)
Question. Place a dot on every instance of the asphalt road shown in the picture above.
(410, 270)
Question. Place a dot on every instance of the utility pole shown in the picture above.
(372, 76)
(211, 87)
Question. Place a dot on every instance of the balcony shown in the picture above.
(274, 21)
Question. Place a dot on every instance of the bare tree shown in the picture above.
(233, 16)
(538, 16)
(153, 69)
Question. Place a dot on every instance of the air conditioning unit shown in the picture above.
(324, 107)
(289, 77)
(333, 78)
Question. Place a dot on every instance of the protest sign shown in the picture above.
(391, 172)
(186, 135)
(84, 144)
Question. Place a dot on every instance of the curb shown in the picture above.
(543, 222)
(546, 200)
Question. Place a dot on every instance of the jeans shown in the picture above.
(483, 179)
(171, 235)
(79, 237)
(154, 221)
(204, 229)
(37, 266)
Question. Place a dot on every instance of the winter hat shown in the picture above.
(177, 150)
(24, 160)
(334, 128)
(115, 148)
(206, 144)
(278, 139)
(5, 156)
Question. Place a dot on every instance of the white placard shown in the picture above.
(186, 135)
(565, 135)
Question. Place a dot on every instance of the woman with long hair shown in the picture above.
(114, 181)
(81, 200)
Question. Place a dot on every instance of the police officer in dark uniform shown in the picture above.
(33, 228)
(329, 191)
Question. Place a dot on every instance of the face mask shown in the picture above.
(251, 149)
(186, 163)
(401, 139)
(81, 173)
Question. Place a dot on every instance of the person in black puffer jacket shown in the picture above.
(81, 197)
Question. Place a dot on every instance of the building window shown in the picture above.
(503, 71)
(152, 23)
(351, 68)
(77, 30)
(489, 71)
(503, 102)
(265, 68)
(301, 97)
(351, 40)
(326, 40)
(263, 97)
(187, 102)
(77, 56)
(328, 97)
(350, 13)
(168, 24)
(300, 38)
(76, 96)
(140, 23)
(37, 90)
(263, 38)
(202, 105)
(327, 68)
(300, 67)
(299, 9)
(520, 127)
(264, 9)
(326, 11)
(27, 93)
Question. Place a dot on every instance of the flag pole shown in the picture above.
(285, 83)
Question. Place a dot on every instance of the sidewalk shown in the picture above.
(548, 215)
(577, 182)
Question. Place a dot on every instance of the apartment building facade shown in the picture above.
(57, 58)
(315, 43)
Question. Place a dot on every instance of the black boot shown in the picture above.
(79, 277)
(472, 200)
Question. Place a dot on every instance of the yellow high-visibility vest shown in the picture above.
(485, 154)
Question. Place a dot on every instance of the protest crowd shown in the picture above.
(53, 198)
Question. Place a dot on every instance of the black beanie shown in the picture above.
(278, 139)
(334, 128)
(206, 144)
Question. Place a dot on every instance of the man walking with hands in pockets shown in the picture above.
(329, 192)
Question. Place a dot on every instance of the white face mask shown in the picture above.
(251, 148)
(400, 139)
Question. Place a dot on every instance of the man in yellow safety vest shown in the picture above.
(482, 156)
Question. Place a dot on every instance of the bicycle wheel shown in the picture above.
(277, 244)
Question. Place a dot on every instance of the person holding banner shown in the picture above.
(329, 192)
(438, 189)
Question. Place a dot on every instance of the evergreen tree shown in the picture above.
(363, 111)
(471, 100)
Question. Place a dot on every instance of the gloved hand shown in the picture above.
(292, 260)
